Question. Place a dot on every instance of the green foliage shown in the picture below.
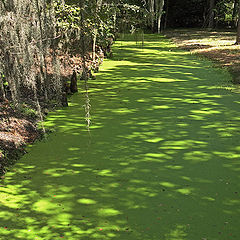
(78, 22)
(132, 17)
(195, 13)
(187, 13)
(68, 16)
(224, 12)
(3, 80)
(26, 110)
(1, 153)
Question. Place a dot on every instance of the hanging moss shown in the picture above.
(28, 39)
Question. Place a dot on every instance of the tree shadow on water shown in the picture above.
(160, 161)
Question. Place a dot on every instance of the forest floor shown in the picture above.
(16, 131)
(217, 45)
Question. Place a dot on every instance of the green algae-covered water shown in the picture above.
(161, 161)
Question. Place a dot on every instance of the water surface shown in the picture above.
(161, 160)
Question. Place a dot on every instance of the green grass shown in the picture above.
(161, 161)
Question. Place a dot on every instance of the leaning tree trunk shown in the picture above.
(160, 13)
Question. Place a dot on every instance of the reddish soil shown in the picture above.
(16, 130)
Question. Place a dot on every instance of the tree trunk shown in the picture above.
(95, 32)
(2, 91)
(64, 100)
(235, 12)
(83, 46)
(10, 75)
(151, 8)
(211, 14)
(114, 21)
(94, 44)
(43, 63)
(166, 15)
(238, 29)
(73, 85)
(160, 12)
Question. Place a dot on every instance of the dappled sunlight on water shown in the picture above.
(161, 160)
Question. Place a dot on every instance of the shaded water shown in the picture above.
(161, 161)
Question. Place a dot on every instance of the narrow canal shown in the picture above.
(160, 160)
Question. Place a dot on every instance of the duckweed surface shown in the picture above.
(161, 160)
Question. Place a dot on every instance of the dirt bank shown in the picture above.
(217, 45)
